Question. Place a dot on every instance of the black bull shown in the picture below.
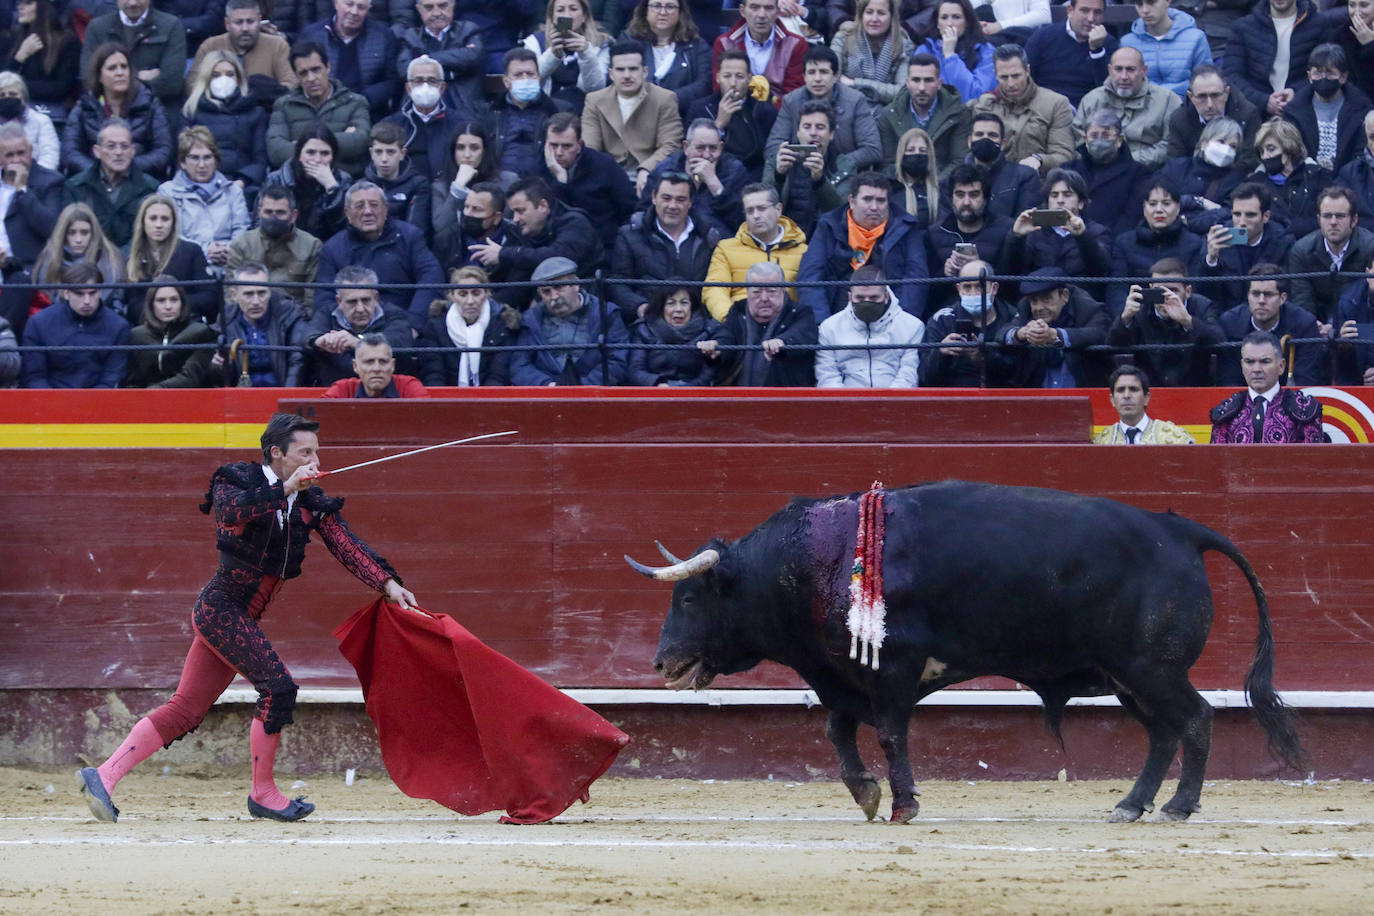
(1067, 594)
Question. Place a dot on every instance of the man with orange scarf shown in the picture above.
(866, 231)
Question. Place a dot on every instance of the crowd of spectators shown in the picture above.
(321, 192)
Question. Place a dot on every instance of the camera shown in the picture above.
(1152, 296)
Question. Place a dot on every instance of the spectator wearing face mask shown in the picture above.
(1206, 178)
(980, 314)
(220, 100)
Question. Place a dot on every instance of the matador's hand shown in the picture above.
(397, 594)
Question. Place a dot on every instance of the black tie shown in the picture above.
(1259, 419)
(1131, 435)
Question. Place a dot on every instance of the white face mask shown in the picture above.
(1218, 154)
(221, 87)
(425, 96)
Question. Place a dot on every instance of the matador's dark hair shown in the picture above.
(281, 429)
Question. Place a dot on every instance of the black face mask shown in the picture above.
(275, 227)
(984, 149)
(474, 227)
(1325, 87)
(11, 108)
(916, 164)
(869, 312)
(1272, 164)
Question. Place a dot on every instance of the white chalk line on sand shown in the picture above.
(742, 820)
(892, 846)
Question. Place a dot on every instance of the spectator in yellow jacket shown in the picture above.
(765, 235)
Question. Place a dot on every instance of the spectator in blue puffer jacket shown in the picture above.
(1170, 42)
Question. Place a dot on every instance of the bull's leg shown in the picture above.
(893, 725)
(1196, 715)
(1163, 744)
(842, 730)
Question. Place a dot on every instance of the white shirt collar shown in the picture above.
(1143, 425)
(130, 23)
(272, 478)
(1269, 395)
(677, 242)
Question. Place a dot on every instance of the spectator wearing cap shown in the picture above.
(1055, 323)
(375, 368)
(661, 242)
(571, 319)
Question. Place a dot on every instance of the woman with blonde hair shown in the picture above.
(1293, 178)
(469, 318)
(917, 169)
(38, 127)
(77, 236)
(873, 49)
(157, 249)
(167, 320)
(221, 101)
(572, 62)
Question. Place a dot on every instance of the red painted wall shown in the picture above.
(104, 550)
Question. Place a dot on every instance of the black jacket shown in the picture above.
(1320, 295)
(442, 368)
(1309, 360)
(1085, 322)
(1295, 201)
(521, 132)
(940, 241)
(239, 124)
(327, 368)
(1196, 180)
(747, 131)
(598, 187)
(567, 233)
(1013, 187)
(33, 214)
(1116, 192)
(407, 195)
(1236, 261)
(148, 123)
(724, 212)
(644, 253)
(1254, 44)
(462, 56)
(1358, 176)
(1185, 127)
(963, 371)
(170, 368)
(429, 144)
(675, 368)
(186, 263)
(1171, 367)
(286, 327)
(1350, 140)
(1137, 249)
(791, 369)
(1085, 255)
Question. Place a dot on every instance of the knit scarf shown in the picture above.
(862, 65)
(862, 240)
(464, 336)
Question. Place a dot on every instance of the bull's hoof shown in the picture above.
(904, 815)
(868, 792)
(1124, 815)
(1176, 815)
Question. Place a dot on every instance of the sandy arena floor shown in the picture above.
(185, 844)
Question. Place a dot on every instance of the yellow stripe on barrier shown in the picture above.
(130, 435)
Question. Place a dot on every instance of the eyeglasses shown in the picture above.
(200, 157)
(676, 177)
(425, 81)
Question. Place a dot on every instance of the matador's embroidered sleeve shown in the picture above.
(366, 565)
(236, 506)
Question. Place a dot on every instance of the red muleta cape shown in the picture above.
(461, 724)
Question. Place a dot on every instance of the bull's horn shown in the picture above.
(666, 555)
(683, 569)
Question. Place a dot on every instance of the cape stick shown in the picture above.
(427, 448)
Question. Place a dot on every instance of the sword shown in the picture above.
(427, 448)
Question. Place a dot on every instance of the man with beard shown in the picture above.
(1036, 122)
(927, 103)
(264, 56)
(291, 255)
(968, 233)
(1143, 107)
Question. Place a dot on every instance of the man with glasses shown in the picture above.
(1209, 97)
(455, 45)
(112, 187)
(1267, 309)
(426, 120)
(717, 176)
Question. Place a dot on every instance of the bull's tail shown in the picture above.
(1273, 715)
